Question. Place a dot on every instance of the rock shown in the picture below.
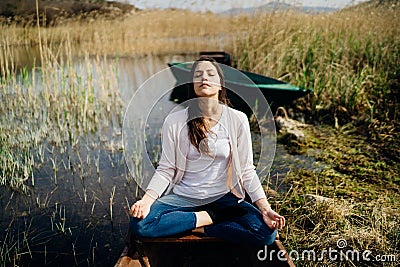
(318, 199)
(270, 192)
(294, 134)
(289, 128)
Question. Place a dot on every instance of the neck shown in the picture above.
(210, 107)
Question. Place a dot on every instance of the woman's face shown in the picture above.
(206, 80)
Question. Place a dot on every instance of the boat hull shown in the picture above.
(244, 89)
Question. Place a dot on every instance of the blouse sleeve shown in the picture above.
(251, 181)
(167, 165)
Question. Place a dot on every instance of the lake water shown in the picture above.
(78, 215)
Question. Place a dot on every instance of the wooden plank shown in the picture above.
(191, 238)
(282, 248)
(131, 260)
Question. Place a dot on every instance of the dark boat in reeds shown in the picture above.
(240, 84)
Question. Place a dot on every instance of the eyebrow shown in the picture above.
(206, 70)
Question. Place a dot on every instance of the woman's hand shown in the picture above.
(141, 208)
(272, 218)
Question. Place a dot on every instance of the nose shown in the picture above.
(204, 76)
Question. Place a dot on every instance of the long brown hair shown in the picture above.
(196, 122)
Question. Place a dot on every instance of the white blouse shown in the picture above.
(206, 174)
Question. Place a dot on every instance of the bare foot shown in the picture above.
(199, 230)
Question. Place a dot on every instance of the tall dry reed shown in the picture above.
(144, 32)
(56, 105)
(350, 58)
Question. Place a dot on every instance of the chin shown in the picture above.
(204, 94)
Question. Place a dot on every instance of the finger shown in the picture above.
(136, 212)
(271, 223)
(278, 224)
(134, 206)
(140, 214)
(132, 210)
(281, 223)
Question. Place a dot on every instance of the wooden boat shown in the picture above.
(199, 251)
(240, 84)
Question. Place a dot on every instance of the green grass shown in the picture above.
(360, 180)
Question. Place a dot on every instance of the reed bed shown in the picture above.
(350, 58)
(144, 32)
(58, 105)
(54, 115)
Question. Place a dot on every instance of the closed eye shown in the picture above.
(211, 73)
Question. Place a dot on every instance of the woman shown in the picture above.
(204, 171)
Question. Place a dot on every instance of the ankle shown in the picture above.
(202, 219)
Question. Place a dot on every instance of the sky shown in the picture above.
(222, 5)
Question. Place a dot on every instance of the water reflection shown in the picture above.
(133, 72)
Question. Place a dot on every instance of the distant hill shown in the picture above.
(374, 4)
(53, 12)
(273, 6)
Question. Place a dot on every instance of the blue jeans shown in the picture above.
(167, 220)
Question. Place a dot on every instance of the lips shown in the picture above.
(205, 84)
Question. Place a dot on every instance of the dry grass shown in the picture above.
(318, 226)
(350, 58)
(145, 32)
(360, 185)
